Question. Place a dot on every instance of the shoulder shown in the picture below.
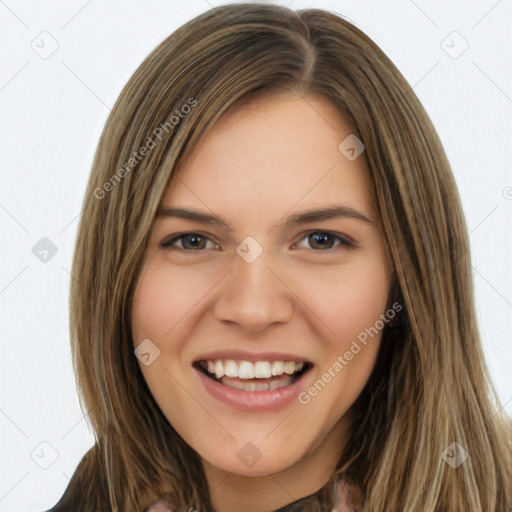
(70, 500)
(87, 483)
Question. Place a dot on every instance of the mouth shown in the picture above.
(253, 376)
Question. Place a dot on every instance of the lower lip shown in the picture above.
(253, 401)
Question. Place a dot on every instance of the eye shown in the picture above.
(323, 240)
(189, 241)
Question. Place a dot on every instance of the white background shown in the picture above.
(53, 111)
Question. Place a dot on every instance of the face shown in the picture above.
(263, 331)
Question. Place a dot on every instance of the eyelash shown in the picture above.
(345, 242)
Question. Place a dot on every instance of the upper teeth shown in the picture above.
(249, 370)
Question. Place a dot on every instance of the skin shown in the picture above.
(258, 164)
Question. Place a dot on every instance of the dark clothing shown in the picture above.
(78, 493)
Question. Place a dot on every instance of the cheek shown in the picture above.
(353, 301)
(163, 299)
(163, 311)
(351, 308)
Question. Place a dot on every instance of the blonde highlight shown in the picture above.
(430, 385)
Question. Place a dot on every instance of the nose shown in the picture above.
(254, 296)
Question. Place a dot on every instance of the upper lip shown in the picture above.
(241, 355)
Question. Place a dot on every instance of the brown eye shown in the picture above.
(323, 240)
(189, 241)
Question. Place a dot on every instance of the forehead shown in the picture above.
(271, 155)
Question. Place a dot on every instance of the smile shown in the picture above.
(252, 385)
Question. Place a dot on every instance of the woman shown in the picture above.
(272, 301)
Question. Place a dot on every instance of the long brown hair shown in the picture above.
(430, 386)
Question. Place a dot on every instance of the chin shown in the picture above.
(252, 462)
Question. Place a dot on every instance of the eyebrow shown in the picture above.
(315, 215)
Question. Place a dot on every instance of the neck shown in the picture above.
(231, 493)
